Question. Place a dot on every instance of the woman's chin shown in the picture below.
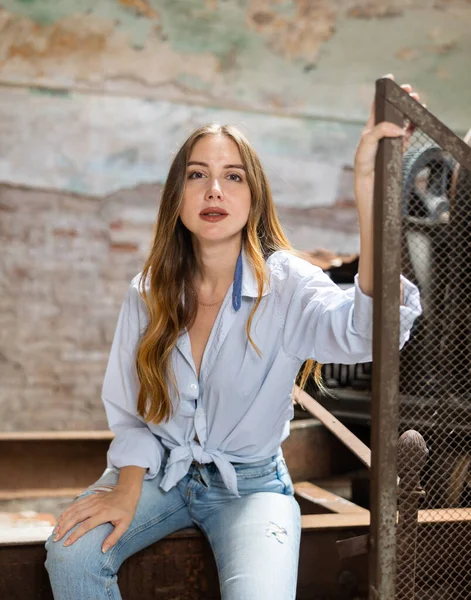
(216, 236)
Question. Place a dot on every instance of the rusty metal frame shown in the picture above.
(385, 381)
(395, 105)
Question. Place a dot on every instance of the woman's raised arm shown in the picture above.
(365, 158)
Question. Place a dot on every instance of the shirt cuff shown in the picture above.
(136, 446)
(363, 310)
(410, 309)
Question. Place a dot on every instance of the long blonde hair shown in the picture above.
(171, 266)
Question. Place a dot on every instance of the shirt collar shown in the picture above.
(245, 281)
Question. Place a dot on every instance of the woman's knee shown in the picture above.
(83, 556)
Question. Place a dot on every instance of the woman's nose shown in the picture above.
(214, 192)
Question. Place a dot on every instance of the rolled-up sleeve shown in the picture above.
(408, 311)
(134, 443)
(331, 325)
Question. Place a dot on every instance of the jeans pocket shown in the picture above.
(284, 476)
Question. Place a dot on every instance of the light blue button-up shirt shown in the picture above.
(240, 406)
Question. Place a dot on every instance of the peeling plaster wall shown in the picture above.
(99, 144)
(310, 58)
(95, 97)
(293, 73)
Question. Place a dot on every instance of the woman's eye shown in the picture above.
(235, 177)
(195, 175)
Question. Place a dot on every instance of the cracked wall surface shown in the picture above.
(95, 97)
(309, 58)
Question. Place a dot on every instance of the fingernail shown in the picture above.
(105, 549)
(67, 543)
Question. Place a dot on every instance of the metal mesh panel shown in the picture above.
(421, 521)
(420, 534)
(434, 379)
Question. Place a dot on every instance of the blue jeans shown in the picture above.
(254, 538)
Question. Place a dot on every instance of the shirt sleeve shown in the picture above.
(134, 443)
(331, 325)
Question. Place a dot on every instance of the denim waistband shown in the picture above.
(240, 465)
(183, 460)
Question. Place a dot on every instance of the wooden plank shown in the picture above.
(25, 519)
(30, 535)
(15, 436)
(187, 570)
(51, 461)
(334, 521)
(336, 504)
(350, 440)
(19, 536)
(25, 527)
(353, 520)
(75, 459)
(444, 515)
(40, 493)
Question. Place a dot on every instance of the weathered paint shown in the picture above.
(291, 57)
(99, 144)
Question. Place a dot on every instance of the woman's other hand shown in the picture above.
(365, 156)
(116, 507)
(365, 159)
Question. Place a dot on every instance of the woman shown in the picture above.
(198, 386)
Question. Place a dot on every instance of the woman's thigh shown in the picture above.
(255, 540)
(157, 515)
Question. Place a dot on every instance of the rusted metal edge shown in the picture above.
(400, 100)
(385, 379)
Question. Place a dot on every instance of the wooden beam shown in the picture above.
(33, 436)
(444, 515)
(353, 520)
(75, 459)
(334, 521)
(18, 535)
(40, 493)
(326, 499)
(350, 440)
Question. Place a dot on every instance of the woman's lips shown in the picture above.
(213, 218)
(213, 214)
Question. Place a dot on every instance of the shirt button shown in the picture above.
(193, 386)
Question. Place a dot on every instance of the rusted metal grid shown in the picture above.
(422, 229)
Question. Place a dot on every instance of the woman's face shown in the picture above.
(216, 201)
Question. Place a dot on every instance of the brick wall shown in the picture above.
(66, 263)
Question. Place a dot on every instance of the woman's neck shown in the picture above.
(216, 266)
